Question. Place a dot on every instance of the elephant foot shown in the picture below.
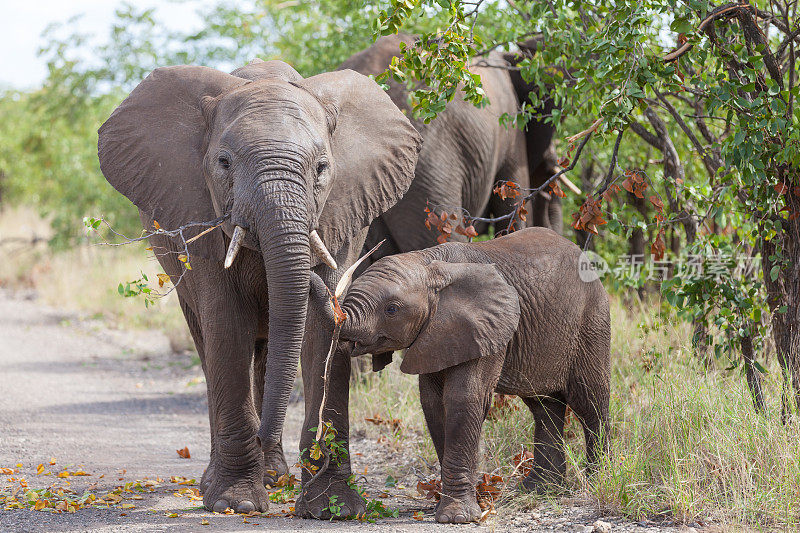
(208, 475)
(330, 497)
(274, 465)
(542, 482)
(458, 510)
(241, 490)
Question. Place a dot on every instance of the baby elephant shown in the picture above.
(512, 315)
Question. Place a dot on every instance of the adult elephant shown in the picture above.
(295, 162)
(465, 152)
(546, 209)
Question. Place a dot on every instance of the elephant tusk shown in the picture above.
(571, 186)
(318, 247)
(348, 275)
(236, 243)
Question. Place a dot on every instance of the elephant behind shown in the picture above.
(465, 152)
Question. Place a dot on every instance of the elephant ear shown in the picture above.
(374, 149)
(381, 361)
(152, 146)
(259, 69)
(475, 315)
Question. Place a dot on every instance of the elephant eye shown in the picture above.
(224, 162)
(321, 166)
(391, 309)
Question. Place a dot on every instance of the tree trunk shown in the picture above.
(752, 373)
(783, 298)
(636, 241)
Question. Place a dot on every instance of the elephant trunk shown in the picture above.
(353, 307)
(282, 226)
(355, 328)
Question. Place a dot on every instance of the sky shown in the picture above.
(24, 21)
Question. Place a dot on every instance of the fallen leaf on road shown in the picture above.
(394, 423)
(204, 522)
(7, 471)
(184, 453)
(430, 489)
(40, 469)
(419, 515)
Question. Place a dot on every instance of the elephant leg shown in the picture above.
(274, 460)
(549, 461)
(541, 211)
(334, 482)
(594, 419)
(589, 399)
(197, 337)
(238, 469)
(514, 168)
(555, 216)
(430, 395)
(466, 403)
(498, 208)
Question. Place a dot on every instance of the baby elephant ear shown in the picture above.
(475, 315)
(374, 149)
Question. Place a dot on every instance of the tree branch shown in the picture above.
(710, 161)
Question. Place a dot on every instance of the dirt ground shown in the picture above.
(117, 405)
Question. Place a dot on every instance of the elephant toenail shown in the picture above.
(220, 506)
(245, 506)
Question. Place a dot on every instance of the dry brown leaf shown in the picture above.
(431, 489)
(184, 453)
(523, 462)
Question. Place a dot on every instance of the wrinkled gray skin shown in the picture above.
(547, 209)
(509, 315)
(284, 156)
(465, 151)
